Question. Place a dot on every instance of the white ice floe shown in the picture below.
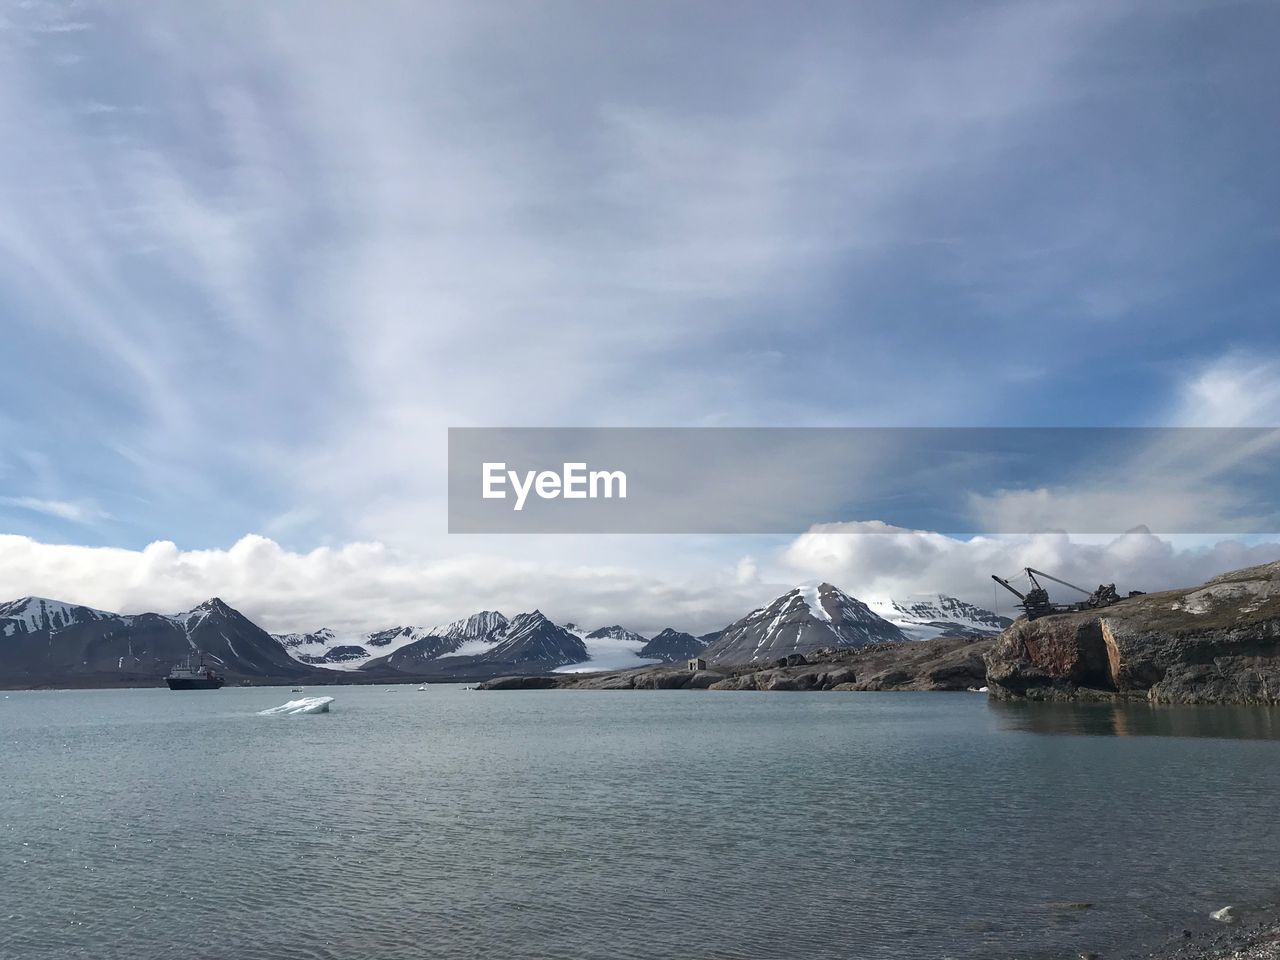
(304, 705)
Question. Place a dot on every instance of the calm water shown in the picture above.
(562, 824)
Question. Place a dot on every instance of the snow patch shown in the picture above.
(473, 648)
(809, 593)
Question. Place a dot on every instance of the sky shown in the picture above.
(256, 259)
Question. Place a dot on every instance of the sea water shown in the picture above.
(453, 823)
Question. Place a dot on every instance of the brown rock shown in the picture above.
(1215, 643)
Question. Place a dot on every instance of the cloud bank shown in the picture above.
(365, 586)
(884, 561)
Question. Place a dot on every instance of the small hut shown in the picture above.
(697, 663)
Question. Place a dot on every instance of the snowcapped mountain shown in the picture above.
(532, 638)
(478, 626)
(672, 646)
(227, 635)
(469, 636)
(52, 641)
(615, 632)
(310, 648)
(322, 638)
(802, 620)
(47, 641)
(927, 616)
(32, 614)
(482, 642)
(416, 643)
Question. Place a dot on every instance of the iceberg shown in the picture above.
(304, 705)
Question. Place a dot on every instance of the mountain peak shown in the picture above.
(615, 632)
(807, 617)
(213, 607)
(672, 645)
(533, 637)
(668, 632)
(480, 625)
(532, 618)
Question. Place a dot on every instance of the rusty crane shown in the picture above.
(1036, 603)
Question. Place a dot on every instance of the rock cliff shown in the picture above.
(1217, 643)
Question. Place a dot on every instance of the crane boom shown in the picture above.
(1034, 573)
(1008, 586)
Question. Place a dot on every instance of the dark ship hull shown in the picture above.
(194, 683)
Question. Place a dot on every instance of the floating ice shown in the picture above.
(304, 705)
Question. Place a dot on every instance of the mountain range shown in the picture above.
(47, 642)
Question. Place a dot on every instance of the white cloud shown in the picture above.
(280, 255)
(1232, 391)
(1184, 480)
(363, 586)
(75, 511)
(874, 559)
(293, 248)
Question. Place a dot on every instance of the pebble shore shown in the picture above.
(1255, 937)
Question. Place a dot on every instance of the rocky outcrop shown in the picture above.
(943, 664)
(518, 683)
(1218, 643)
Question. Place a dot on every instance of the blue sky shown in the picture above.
(258, 258)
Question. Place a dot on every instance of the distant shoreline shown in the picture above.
(157, 683)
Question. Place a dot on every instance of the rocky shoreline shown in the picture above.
(1254, 934)
(949, 663)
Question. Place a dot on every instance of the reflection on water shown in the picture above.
(1137, 719)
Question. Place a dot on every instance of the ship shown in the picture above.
(193, 674)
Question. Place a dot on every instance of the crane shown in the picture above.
(1036, 603)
